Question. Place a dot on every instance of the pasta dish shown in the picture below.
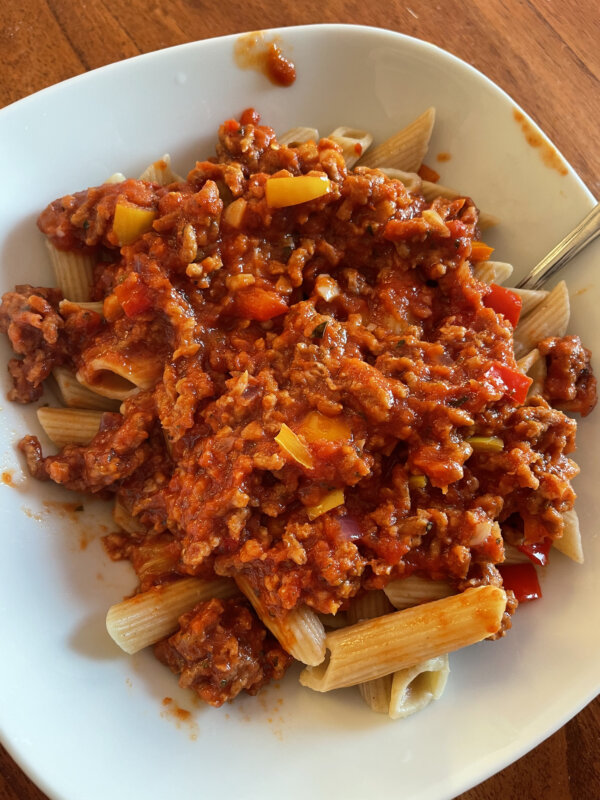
(329, 432)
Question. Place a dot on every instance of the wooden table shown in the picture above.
(543, 52)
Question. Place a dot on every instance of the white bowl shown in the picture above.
(83, 719)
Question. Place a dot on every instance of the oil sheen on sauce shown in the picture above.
(253, 51)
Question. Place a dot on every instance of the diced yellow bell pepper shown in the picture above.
(317, 426)
(281, 192)
(130, 222)
(417, 481)
(486, 444)
(331, 500)
(288, 441)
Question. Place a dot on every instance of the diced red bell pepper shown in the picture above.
(259, 304)
(515, 383)
(522, 579)
(537, 552)
(134, 296)
(504, 302)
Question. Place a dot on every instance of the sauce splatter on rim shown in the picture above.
(548, 154)
(253, 51)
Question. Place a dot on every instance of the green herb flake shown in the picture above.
(319, 330)
(86, 224)
(401, 343)
(456, 402)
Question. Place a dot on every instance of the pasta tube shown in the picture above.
(415, 687)
(148, 617)
(301, 632)
(370, 649)
(406, 149)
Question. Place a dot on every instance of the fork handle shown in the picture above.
(576, 240)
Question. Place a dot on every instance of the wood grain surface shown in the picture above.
(544, 53)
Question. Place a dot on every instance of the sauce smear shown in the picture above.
(253, 51)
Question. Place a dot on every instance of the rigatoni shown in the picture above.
(387, 644)
(149, 616)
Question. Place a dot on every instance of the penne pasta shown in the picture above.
(148, 617)
(353, 143)
(124, 520)
(334, 621)
(493, 271)
(117, 376)
(537, 371)
(301, 632)
(69, 425)
(415, 687)
(65, 305)
(512, 555)
(116, 177)
(530, 298)
(549, 318)
(161, 172)
(74, 272)
(570, 542)
(412, 591)
(527, 362)
(375, 693)
(406, 149)
(373, 648)
(411, 180)
(431, 190)
(299, 135)
(75, 395)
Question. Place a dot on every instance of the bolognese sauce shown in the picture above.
(336, 403)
